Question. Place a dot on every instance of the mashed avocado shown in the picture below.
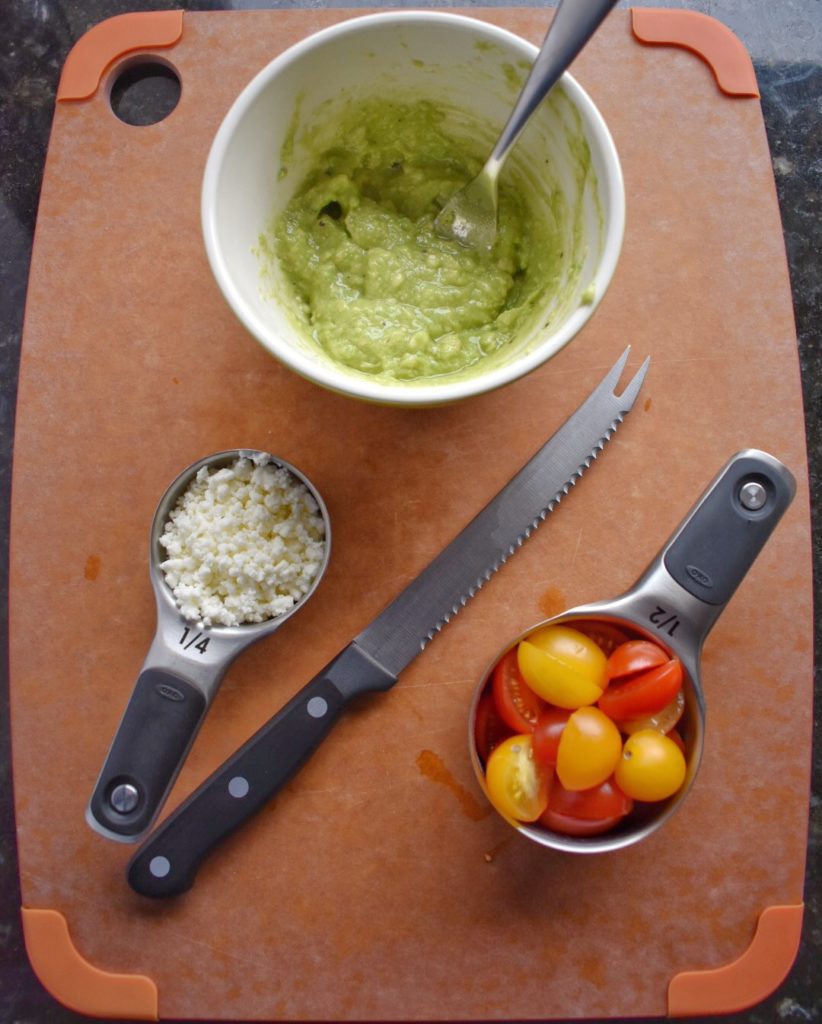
(377, 289)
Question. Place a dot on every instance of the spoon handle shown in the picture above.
(573, 25)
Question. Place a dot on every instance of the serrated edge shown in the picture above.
(517, 544)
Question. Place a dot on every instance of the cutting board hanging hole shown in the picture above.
(145, 92)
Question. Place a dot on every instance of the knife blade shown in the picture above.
(167, 862)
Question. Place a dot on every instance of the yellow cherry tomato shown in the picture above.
(563, 666)
(517, 786)
(589, 748)
(652, 767)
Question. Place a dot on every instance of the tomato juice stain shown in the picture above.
(490, 855)
(647, 406)
(92, 569)
(552, 602)
(433, 767)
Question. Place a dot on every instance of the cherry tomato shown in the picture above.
(663, 721)
(517, 786)
(603, 801)
(547, 732)
(643, 694)
(563, 666)
(634, 656)
(489, 728)
(516, 702)
(589, 748)
(569, 826)
(652, 767)
(606, 636)
(586, 812)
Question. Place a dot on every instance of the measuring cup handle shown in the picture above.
(167, 862)
(715, 547)
(158, 727)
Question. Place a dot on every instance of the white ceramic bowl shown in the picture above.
(446, 58)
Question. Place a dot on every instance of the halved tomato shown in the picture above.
(643, 694)
(518, 705)
(586, 812)
(633, 657)
(547, 732)
(517, 786)
(489, 728)
(663, 721)
(652, 766)
(603, 801)
(569, 826)
(562, 665)
(606, 636)
(589, 748)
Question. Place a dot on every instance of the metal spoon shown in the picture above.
(470, 215)
(178, 680)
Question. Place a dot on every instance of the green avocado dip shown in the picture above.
(377, 290)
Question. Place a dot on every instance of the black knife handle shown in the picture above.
(167, 862)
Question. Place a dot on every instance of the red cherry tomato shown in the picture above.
(603, 801)
(586, 812)
(633, 657)
(518, 705)
(569, 826)
(547, 733)
(643, 694)
(604, 635)
(489, 728)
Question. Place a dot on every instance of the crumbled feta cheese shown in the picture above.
(244, 543)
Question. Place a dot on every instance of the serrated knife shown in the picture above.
(167, 862)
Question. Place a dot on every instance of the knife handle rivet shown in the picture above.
(159, 866)
(753, 495)
(317, 707)
(238, 787)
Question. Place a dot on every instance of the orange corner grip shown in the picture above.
(753, 977)
(703, 35)
(110, 39)
(74, 982)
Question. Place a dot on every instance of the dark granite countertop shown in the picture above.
(785, 42)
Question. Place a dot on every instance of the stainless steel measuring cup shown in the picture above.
(675, 603)
(178, 680)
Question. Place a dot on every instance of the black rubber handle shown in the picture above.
(718, 544)
(167, 862)
(159, 725)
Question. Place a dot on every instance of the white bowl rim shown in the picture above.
(410, 393)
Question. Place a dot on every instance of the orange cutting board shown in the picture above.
(378, 884)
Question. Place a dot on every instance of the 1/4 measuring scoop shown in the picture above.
(181, 674)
